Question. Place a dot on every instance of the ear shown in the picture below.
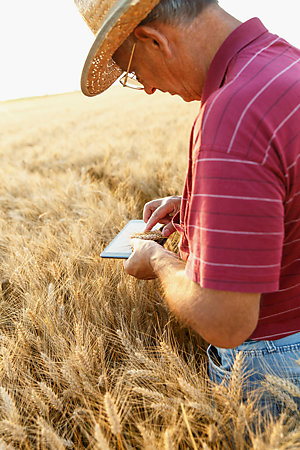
(154, 38)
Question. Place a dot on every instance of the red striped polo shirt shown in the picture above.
(240, 213)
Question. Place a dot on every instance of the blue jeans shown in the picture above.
(272, 362)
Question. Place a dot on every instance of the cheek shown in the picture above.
(144, 77)
(119, 58)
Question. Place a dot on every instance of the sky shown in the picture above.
(44, 43)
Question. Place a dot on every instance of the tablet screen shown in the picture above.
(120, 246)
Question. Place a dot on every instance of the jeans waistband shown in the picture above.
(270, 345)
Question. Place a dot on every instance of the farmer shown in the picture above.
(237, 280)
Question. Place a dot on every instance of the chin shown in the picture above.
(189, 98)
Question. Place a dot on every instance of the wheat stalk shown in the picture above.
(7, 363)
(145, 360)
(236, 380)
(284, 383)
(168, 441)
(152, 235)
(186, 420)
(51, 295)
(205, 446)
(162, 406)
(205, 409)
(132, 289)
(83, 358)
(52, 439)
(279, 395)
(14, 430)
(5, 446)
(188, 388)
(125, 342)
(149, 439)
(212, 433)
(112, 414)
(286, 399)
(60, 299)
(150, 394)
(39, 403)
(101, 442)
(70, 376)
(8, 406)
(53, 399)
(50, 364)
(239, 427)
(172, 356)
(276, 435)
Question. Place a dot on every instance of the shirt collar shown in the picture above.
(239, 38)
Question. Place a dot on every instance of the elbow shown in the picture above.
(230, 341)
(224, 319)
(227, 336)
(230, 318)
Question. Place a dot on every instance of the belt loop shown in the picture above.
(271, 347)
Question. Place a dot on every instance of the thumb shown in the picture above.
(168, 230)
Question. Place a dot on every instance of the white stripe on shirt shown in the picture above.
(280, 313)
(291, 263)
(277, 129)
(291, 242)
(235, 78)
(236, 197)
(293, 164)
(239, 161)
(255, 98)
(291, 221)
(287, 289)
(277, 334)
(291, 199)
(250, 233)
(242, 266)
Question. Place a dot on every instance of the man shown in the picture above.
(237, 281)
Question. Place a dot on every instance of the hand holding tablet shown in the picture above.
(120, 246)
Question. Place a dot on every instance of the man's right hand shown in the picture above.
(161, 210)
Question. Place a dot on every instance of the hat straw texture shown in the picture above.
(112, 22)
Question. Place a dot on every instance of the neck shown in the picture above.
(199, 41)
(210, 29)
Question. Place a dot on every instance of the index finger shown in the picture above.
(158, 216)
(149, 208)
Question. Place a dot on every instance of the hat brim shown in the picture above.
(100, 71)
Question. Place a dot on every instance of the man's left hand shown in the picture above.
(139, 263)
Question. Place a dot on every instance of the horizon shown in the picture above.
(45, 63)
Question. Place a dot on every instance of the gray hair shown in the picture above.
(177, 11)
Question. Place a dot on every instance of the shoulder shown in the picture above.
(253, 103)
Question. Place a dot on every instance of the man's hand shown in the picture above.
(139, 263)
(224, 319)
(161, 210)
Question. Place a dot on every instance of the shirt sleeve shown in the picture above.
(235, 223)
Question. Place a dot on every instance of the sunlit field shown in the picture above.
(90, 357)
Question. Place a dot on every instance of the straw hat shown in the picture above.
(112, 21)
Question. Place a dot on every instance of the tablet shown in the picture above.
(120, 246)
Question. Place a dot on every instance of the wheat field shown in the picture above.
(90, 357)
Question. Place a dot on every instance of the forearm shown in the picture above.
(208, 312)
(182, 294)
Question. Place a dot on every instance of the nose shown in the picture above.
(149, 90)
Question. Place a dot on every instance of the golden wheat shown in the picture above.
(90, 357)
(51, 396)
(153, 235)
(112, 414)
(101, 442)
(168, 441)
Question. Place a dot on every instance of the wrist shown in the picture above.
(156, 257)
(162, 261)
